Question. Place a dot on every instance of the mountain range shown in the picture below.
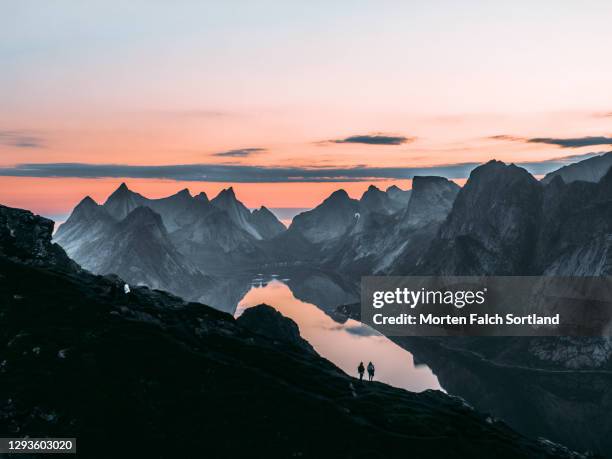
(503, 221)
(83, 357)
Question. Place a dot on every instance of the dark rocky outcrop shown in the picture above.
(26, 238)
(267, 321)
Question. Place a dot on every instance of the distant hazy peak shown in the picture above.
(588, 170)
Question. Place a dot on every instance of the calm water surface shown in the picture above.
(343, 344)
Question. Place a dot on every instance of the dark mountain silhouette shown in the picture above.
(128, 368)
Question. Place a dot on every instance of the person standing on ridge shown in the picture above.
(370, 371)
(360, 370)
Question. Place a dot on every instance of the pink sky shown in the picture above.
(151, 84)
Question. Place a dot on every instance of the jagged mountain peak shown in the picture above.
(262, 209)
(87, 202)
(375, 200)
(226, 193)
(372, 189)
(266, 223)
(184, 193)
(338, 197)
(201, 196)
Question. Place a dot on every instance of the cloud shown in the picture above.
(576, 142)
(239, 153)
(374, 139)
(507, 137)
(263, 174)
(234, 173)
(21, 139)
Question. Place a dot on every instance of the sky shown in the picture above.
(288, 101)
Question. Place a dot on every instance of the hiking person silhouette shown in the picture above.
(370, 371)
(360, 370)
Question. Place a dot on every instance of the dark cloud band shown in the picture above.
(256, 174)
(576, 142)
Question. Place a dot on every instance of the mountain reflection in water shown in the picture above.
(343, 344)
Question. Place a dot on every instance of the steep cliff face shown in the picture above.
(431, 201)
(493, 225)
(504, 222)
(576, 231)
(129, 367)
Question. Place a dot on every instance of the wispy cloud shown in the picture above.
(510, 138)
(374, 139)
(239, 153)
(21, 139)
(574, 142)
(259, 174)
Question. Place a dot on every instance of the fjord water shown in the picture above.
(343, 344)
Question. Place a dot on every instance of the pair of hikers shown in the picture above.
(361, 370)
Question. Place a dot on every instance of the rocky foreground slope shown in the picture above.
(146, 374)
